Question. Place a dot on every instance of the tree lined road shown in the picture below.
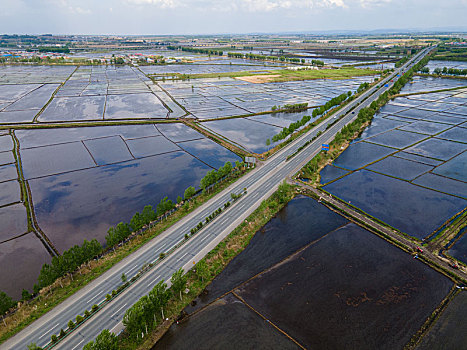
(261, 183)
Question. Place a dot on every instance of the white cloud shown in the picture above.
(68, 6)
(159, 3)
(373, 3)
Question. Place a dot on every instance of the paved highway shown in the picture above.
(261, 183)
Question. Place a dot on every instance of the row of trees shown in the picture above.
(401, 61)
(252, 56)
(68, 262)
(197, 50)
(149, 310)
(445, 70)
(335, 101)
(215, 175)
(317, 63)
(289, 108)
(363, 87)
(290, 129)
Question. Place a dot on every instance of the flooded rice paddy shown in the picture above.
(447, 332)
(321, 290)
(82, 187)
(408, 168)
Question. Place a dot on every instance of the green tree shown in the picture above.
(202, 270)
(123, 277)
(179, 281)
(106, 340)
(33, 346)
(25, 295)
(6, 302)
(189, 192)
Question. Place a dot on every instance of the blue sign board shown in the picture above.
(325, 147)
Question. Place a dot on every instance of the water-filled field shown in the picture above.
(325, 277)
(408, 168)
(447, 332)
(83, 180)
(87, 179)
(212, 98)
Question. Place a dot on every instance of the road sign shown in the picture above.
(250, 160)
(325, 147)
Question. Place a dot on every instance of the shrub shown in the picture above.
(53, 338)
(71, 324)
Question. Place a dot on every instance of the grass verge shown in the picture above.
(54, 294)
(216, 260)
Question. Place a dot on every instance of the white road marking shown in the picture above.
(116, 312)
(77, 345)
(94, 297)
(114, 327)
(154, 280)
(49, 330)
(132, 268)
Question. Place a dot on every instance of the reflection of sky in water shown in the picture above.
(414, 210)
(10, 93)
(8, 172)
(150, 146)
(74, 108)
(6, 158)
(54, 159)
(396, 138)
(247, 133)
(439, 149)
(177, 132)
(21, 260)
(426, 127)
(43, 137)
(9, 192)
(400, 168)
(379, 125)
(455, 168)
(108, 150)
(14, 221)
(34, 100)
(81, 205)
(442, 184)
(142, 105)
(330, 172)
(359, 154)
(209, 152)
(459, 250)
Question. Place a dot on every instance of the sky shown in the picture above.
(165, 17)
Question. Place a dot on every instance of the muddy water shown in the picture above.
(449, 331)
(302, 221)
(346, 288)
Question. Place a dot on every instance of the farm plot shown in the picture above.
(421, 168)
(313, 275)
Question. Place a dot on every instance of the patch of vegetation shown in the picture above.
(283, 75)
